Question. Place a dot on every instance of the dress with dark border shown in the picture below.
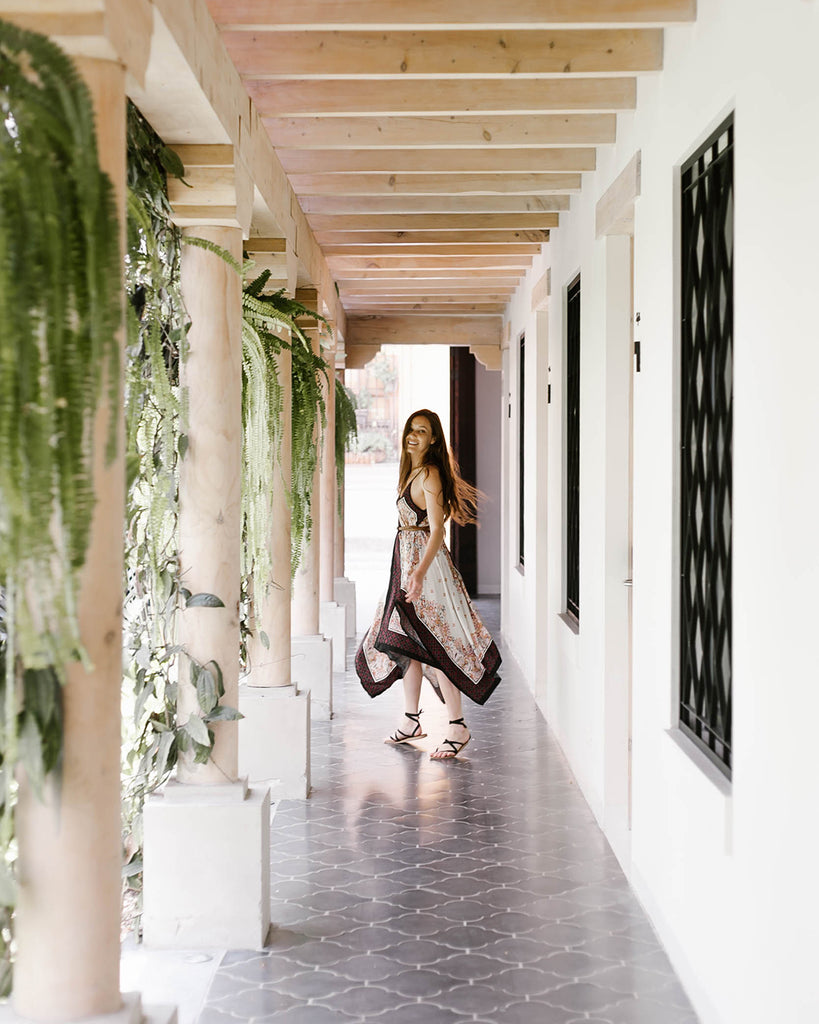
(441, 628)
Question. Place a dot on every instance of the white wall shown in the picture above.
(488, 406)
(727, 871)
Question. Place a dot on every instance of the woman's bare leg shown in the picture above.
(459, 733)
(412, 694)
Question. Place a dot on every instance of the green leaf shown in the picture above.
(217, 672)
(197, 730)
(206, 691)
(265, 639)
(182, 445)
(8, 886)
(172, 163)
(162, 755)
(223, 713)
(31, 753)
(204, 600)
(201, 753)
(132, 868)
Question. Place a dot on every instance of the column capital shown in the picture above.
(278, 256)
(115, 30)
(219, 190)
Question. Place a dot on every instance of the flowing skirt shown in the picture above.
(440, 629)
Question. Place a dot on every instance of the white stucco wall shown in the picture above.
(727, 871)
(488, 399)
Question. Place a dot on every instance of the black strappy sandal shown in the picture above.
(399, 736)
(457, 745)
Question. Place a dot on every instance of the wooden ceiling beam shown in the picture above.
(342, 266)
(354, 309)
(441, 132)
(435, 223)
(400, 162)
(407, 237)
(442, 54)
(473, 286)
(373, 205)
(341, 96)
(386, 276)
(441, 250)
(422, 329)
(332, 14)
(434, 184)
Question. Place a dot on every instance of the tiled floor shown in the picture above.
(407, 891)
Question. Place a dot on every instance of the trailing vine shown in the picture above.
(60, 294)
(346, 433)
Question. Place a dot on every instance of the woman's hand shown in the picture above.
(415, 582)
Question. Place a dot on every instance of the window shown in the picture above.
(521, 438)
(706, 396)
(572, 451)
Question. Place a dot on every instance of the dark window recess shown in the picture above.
(706, 383)
(572, 509)
(463, 540)
(521, 439)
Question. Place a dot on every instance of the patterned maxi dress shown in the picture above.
(440, 628)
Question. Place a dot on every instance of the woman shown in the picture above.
(427, 623)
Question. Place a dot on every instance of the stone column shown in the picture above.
(343, 589)
(208, 808)
(274, 735)
(68, 909)
(312, 664)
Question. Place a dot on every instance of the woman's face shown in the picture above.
(419, 436)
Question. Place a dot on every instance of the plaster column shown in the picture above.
(312, 652)
(210, 522)
(343, 589)
(274, 735)
(68, 907)
(208, 807)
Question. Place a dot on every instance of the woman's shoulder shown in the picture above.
(431, 478)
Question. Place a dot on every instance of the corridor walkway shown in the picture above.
(412, 892)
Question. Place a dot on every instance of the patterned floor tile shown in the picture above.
(407, 891)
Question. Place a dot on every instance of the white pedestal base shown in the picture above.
(274, 739)
(132, 1012)
(333, 624)
(312, 669)
(207, 867)
(344, 593)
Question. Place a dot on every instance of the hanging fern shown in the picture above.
(346, 433)
(60, 292)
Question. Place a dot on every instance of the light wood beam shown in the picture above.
(329, 14)
(432, 204)
(421, 329)
(409, 237)
(445, 274)
(433, 222)
(438, 54)
(434, 184)
(440, 251)
(467, 286)
(399, 162)
(355, 309)
(341, 96)
(342, 266)
(441, 132)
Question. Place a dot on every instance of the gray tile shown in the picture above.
(410, 892)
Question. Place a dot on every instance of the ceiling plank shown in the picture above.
(415, 307)
(385, 275)
(432, 204)
(434, 184)
(436, 223)
(407, 237)
(435, 161)
(328, 14)
(343, 265)
(468, 286)
(341, 96)
(439, 251)
(442, 132)
(359, 54)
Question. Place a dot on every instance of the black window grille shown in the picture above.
(573, 451)
(521, 439)
(706, 375)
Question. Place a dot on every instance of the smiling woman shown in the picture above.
(426, 624)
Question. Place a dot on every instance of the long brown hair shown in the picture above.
(460, 498)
